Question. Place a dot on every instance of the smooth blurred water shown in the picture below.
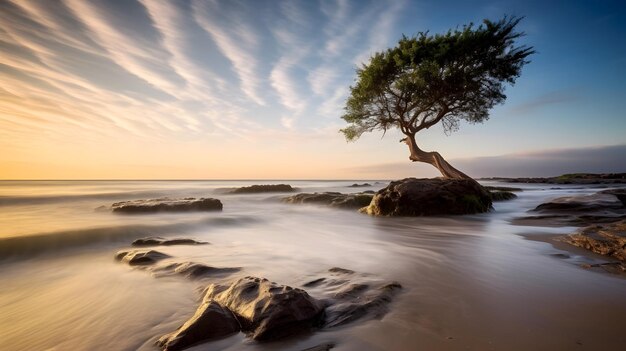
(470, 282)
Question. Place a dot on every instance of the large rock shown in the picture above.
(167, 205)
(580, 210)
(157, 241)
(332, 199)
(430, 197)
(140, 257)
(266, 188)
(266, 310)
(211, 321)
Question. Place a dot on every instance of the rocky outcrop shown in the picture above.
(211, 321)
(158, 241)
(430, 197)
(266, 188)
(265, 309)
(576, 210)
(619, 193)
(194, 270)
(356, 185)
(574, 178)
(140, 257)
(333, 199)
(607, 239)
(167, 205)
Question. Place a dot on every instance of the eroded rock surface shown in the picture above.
(194, 270)
(140, 257)
(265, 309)
(266, 188)
(350, 296)
(332, 199)
(577, 210)
(430, 197)
(607, 239)
(167, 205)
(619, 193)
(158, 241)
(211, 321)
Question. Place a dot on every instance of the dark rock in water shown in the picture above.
(501, 195)
(157, 241)
(314, 282)
(340, 270)
(608, 239)
(140, 257)
(195, 270)
(502, 188)
(351, 307)
(574, 178)
(577, 210)
(355, 185)
(352, 296)
(332, 199)
(321, 347)
(266, 310)
(268, 188)
(619, 193)
(211, 321)
(167, 205)
(580, 204)
(430, 197)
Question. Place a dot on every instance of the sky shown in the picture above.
(199, 89)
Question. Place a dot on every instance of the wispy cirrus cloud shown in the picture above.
(236, 40)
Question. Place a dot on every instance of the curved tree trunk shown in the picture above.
(433, 158)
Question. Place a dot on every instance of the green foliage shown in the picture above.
(501, 195)
(430, 79)
(473, 204)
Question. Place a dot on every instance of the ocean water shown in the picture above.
(469, 283)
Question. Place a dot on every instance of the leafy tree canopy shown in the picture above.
(427, 79)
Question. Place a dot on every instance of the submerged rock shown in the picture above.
(351, 296)
(267, 310)
(332, 199)
(577, 210)
(158, 241)
(140, 257)
(211, 321)
(266, 188)
(321, 347)
(359, 301)
(194, 270)
(620, 194)
(167, 205)
(502, 188)
(430, 197)
(356, 185)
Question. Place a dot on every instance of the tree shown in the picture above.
(430, 79)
